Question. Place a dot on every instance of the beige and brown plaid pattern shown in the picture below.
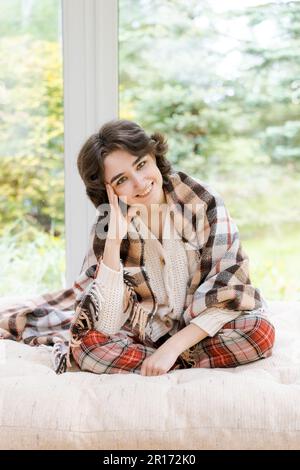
(221, 277)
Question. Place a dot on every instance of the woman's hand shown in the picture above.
(118, 223)
(160, 362)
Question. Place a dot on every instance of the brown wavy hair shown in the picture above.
(118, 134)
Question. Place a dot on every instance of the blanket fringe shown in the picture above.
(138, 315)
(82, 320)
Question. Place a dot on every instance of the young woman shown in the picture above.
(165, 282)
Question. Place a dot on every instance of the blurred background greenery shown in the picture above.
(221, 79)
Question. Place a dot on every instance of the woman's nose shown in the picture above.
(138, 183)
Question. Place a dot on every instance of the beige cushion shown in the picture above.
(256, 406)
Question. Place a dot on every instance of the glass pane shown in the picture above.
(31, 148)
(221, 80)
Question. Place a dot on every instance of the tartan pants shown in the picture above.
(246, 339)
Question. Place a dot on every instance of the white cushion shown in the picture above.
(256, 406)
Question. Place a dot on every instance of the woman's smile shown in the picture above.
(146, 193)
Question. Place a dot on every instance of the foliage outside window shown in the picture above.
(31, 148)
(222, 80)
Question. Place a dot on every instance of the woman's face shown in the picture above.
(137, 179)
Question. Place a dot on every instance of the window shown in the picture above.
(32, 251)
(221, 80)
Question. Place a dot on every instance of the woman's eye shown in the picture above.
(120, 181)
(140, 165)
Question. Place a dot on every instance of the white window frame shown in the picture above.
(90, 74)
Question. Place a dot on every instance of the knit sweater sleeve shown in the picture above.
(100, 289)
(213, 319)
(111, 285)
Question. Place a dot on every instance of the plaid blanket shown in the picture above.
(220, 279)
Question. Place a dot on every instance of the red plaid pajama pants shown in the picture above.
(246, 339)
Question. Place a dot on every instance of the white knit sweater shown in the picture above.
(167, 267)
